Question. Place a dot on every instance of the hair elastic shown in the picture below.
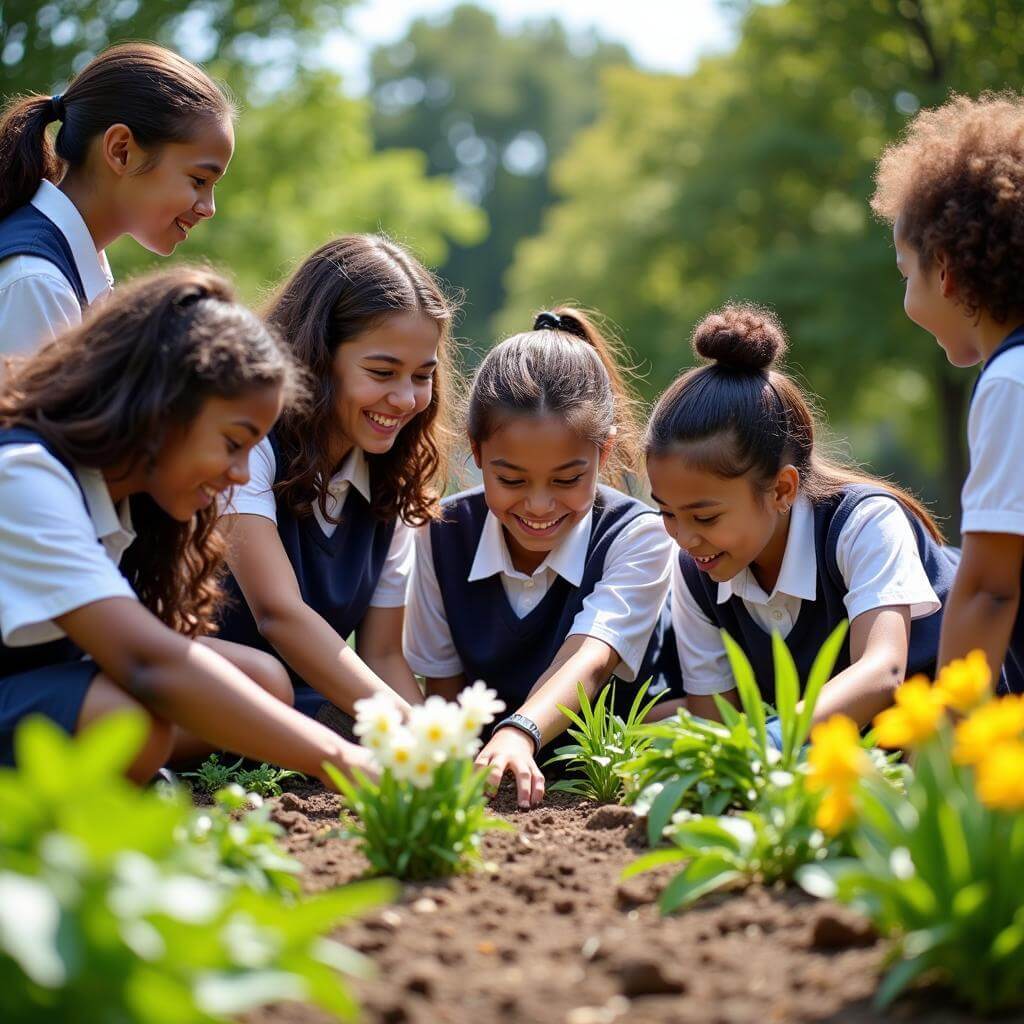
(57, 106)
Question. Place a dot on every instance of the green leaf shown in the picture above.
(787, 689)
(898, 979)
(652, 860)
(665, 804)
(821, 672)
(697, 879)
(750, 695)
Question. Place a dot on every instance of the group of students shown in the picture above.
(200, 506)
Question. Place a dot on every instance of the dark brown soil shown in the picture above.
(547, 934)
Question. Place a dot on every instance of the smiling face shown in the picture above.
(172, 191)
(726, 524)
(930, 301)
(383, 378)
(211, 454)
(540, 479)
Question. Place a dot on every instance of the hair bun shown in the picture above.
(741, 337)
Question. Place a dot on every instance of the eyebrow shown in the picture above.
(212, 166)
(250, 426)
(505, 464)
(704, 503)
(383, 357)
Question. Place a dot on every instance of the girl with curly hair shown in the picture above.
(115, 440)
(953, 191)
(321, 544)
(775, 537)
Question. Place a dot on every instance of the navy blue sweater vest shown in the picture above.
(337, 575)
(29, 232)
(1013, 666)
(818, 618)
(24, 659)
(510, 654)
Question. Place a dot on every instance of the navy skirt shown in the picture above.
(56, 691)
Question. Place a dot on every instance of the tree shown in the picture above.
(750, 178)
(491, 107)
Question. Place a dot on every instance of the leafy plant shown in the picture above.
(603, 741)
(264, 780)
(102, 920)
(425, 816)
(940, 869)
(212, 776)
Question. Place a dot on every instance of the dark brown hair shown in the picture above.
(105, 394)
(564, 367)
(157, 93)
(956, 182)
(738, 415)
(348, 286)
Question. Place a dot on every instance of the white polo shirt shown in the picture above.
(36, 301)
(993, 494)
(621, 610)
(257, 498)
(55, 554)
(877, 557)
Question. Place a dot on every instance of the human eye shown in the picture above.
(231, 444)
(426, 378)
(508, 482)
(380, 374)
(664, 514)
(705, 520)
(570, 482)
(198, 181)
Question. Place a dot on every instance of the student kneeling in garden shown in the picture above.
(115, 440)
(775, 537)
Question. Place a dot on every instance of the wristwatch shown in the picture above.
(523, 724)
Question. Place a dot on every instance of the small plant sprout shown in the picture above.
(603, 741)
(212, 776)
(425, 816)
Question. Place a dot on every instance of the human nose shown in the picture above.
(403, 396)
(205, 206)
(539, 501)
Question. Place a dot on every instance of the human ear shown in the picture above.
(786, 488)
(474, 447)
(120, 151)
(947, 281)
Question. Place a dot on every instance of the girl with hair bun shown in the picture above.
(543, 577)
(144, 136)
(775, 537)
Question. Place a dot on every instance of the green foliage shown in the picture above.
(264, 779)
(417, 833)
(603, 741)
(211, 775)
(765, 844)
(103, 922)
(712, 767)
(940, 872)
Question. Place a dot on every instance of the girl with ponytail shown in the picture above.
(543, 577)
(115, 440)
(775, 537)
(143, 137)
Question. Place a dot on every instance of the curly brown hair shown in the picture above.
(348, 286)
(955, 182)
(105, 394)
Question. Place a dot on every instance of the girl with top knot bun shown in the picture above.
(774, 536)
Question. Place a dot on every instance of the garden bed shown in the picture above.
(546, 932)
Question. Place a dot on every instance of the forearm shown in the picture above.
(394, 670)
(316, 653)
(976, 618)
(558, 686)
(861, 691)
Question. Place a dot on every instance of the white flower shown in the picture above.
(398, 753)
(480, 706)
(377, 719)
(421, 770)
(435, 726)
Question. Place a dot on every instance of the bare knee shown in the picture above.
(272, 676)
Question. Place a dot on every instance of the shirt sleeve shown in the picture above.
(426, 637)
(703, 662)
(35, 307)
(51, 561)
(993, 495)
(257, 496)
(877, 556)
(392, 589)
(624, 606)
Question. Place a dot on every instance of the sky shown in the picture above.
(663, 35)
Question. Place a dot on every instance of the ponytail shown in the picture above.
(157, 93)
(547, 371)
(760, 417)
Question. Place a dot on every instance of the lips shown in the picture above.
(707, 562)
(183, 226)
(382, 422)
(539, 527)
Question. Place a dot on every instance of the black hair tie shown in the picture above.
(548, 321)
(57, 110)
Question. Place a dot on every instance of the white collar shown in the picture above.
(93, 267)
(108, 518)
(355, 470)
(568, 559)
(798, 576)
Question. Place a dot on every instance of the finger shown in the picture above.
(524, 787)
(538, 790)
(494, 775)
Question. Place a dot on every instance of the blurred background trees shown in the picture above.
(531, 165)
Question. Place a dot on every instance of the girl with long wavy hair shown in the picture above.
(320, 539)
(116, 439)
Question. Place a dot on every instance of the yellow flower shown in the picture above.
(915, 716)
(987, 727)
(834, 811)
(965, 682)
(836, 757)
(1000, 777)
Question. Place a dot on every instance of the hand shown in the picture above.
(510, 750)
(351, 756)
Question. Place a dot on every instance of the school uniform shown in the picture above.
(61, 540)
(992, 499)
(50, 270)
(845, 556)
(472, 613)
(343, 568)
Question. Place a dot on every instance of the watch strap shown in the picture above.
(523, 724)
